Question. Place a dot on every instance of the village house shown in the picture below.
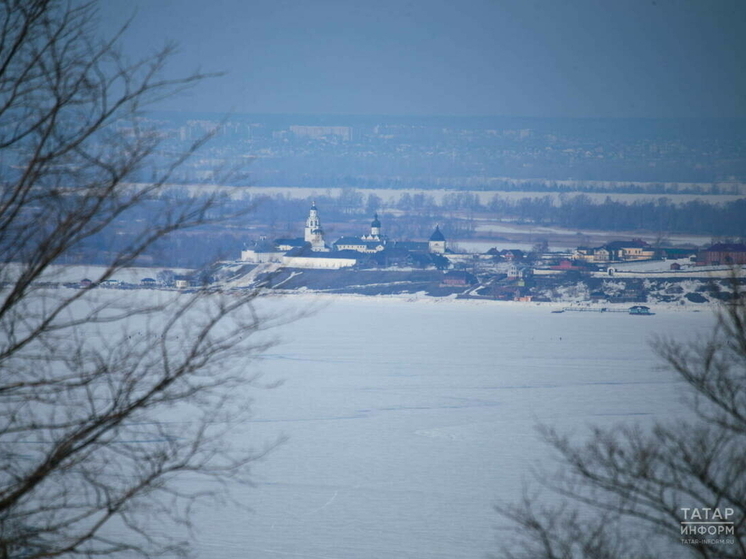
(515, 270)
(458, 279)
(181, 281)
(616, 251)
(723, 254)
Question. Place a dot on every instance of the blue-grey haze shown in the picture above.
(558, 58)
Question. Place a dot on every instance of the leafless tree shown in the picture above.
(632, 492)
(106, 396)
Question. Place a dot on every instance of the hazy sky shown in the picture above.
(597, 58)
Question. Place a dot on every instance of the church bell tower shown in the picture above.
(375, 227)
(313, 233)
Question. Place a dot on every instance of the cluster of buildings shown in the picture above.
(616, 251)
(375, 250)
(312, 250)
(718, 254)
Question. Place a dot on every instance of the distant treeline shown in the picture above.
(487, 184)
(580, 212)
(411, 217)
(459, 211)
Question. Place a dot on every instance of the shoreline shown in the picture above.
(422, 298)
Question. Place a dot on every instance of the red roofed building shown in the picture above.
(458, 279)
(722, 254)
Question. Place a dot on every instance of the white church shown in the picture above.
(370, 243)
(311, 251)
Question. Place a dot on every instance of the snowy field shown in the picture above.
(485, 227)
(408, 421)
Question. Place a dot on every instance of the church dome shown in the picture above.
(437, 235)
(375, 222)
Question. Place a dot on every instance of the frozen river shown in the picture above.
(407, 422)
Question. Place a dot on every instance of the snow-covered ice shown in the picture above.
(409, 421)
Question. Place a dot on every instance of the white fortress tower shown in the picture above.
(314, 234)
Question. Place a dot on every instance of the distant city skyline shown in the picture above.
(572, 58)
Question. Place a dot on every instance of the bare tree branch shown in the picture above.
(104, 402)
(641, 480)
